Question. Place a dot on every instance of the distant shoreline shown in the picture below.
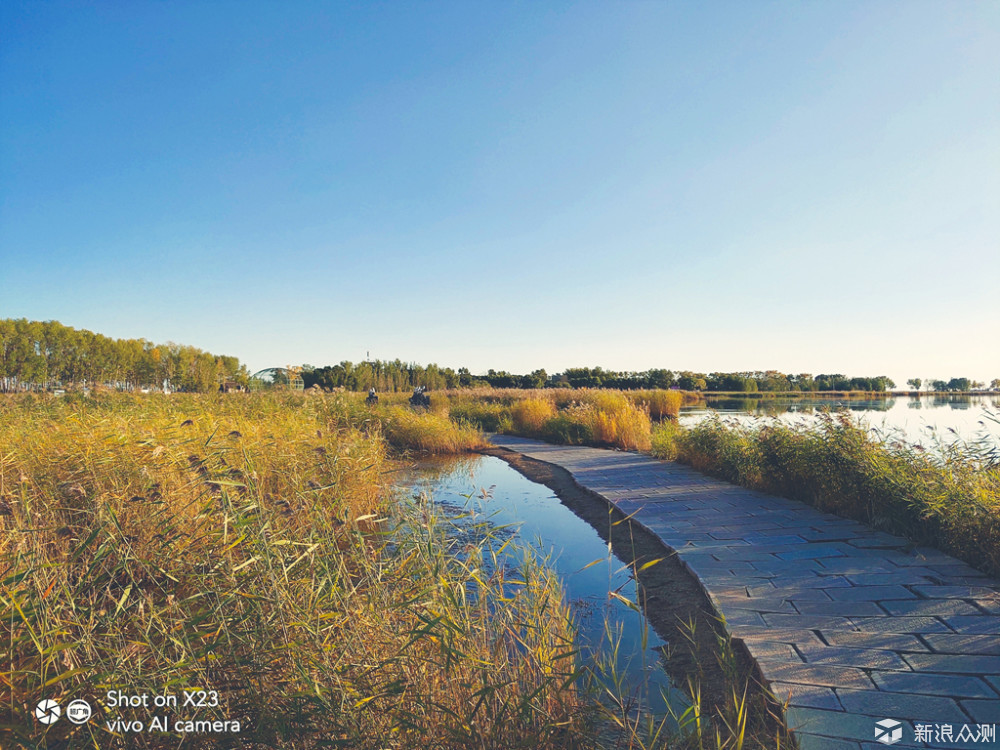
(835, 394)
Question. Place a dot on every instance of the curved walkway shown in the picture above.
(850, 625)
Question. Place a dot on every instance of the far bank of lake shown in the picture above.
(922, 420)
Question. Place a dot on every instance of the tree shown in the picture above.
(959, 384)
(995, 384)
(915, 383)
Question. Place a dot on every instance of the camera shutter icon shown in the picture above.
(888, 731)
(47, 711)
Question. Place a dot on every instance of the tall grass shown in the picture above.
(660, 404)
(574, 417)
(428, 431)
(947, 498)
(617, 421)
(531, 415)
(490, 417)
(233, 544)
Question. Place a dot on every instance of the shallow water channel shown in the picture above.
(514, 506)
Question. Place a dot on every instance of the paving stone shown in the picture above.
(715, 566)
(747, 554)
(811, 696)
(954, 663)
(773, 650)
(843, 609)
(777, 539)
(910, 577)
(878, 539)
(975, 624)
(899, 624)
(806, 580)
(901, 705)
(956, 569)
(787, 568)
(929, 683)
(815, 674)
(783, 635)
(977, 578)
(871, 594)
(757, 604)
(955, 592)
(931, 607)
(853, 566)
(808, 622)
(813, 552)
(803, 595)
(866, 658)
(983, 711)
(730, 591)
(744, 617)
(991, 605)
(835, 724)
(961, 643)
(886, 641)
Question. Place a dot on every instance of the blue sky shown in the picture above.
(810, 187)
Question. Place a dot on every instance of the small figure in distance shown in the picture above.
(372, 397)
(420, 397)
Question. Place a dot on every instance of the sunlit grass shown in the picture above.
(660, 404)
(947, 497)
(531, 415)
(429, 431)
(236, 544)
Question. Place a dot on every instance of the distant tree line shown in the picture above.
(46, 354)
(955, 384)
(397, 375)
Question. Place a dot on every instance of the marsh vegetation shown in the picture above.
(253, 544)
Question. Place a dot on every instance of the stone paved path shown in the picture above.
(849, 624)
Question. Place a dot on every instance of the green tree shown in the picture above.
(915, 383)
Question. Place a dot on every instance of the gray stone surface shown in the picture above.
(931, 683)
(983, 711)
(850, 625)
(807, 696)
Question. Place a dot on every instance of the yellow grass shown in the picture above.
(660, 404)
(531, 414)
(617, 421)
(430, 431)
(154, 544)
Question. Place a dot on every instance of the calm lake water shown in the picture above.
(916, 420)
(530, 512)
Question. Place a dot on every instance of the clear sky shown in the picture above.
(810, 187)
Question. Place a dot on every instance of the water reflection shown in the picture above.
(949, 417)
(482, 490)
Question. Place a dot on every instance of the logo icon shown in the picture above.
(888, 731)
(47, 711)
(79, 711)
